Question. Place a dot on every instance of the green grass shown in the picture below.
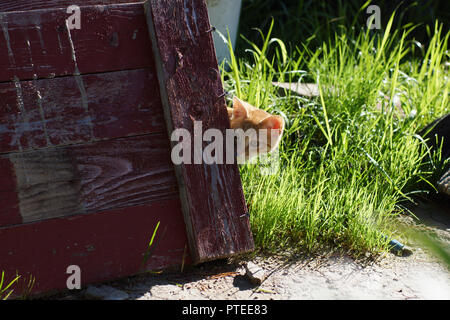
(312, 21)
(17, 284)
(346, 165)
(5, 287)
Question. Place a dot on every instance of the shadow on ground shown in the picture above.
(434, 212)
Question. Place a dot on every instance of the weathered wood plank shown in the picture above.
(105, 245)
(22, 5)
(77, 109)
(211, 195)
(47, 185)
(38, 44)
(86, 178)
(125, 172)
(9, 208)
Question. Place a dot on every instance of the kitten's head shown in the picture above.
(245, 116)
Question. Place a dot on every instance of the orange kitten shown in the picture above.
(245, 116)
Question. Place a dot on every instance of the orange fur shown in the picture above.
(245, 116)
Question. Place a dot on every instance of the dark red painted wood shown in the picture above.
(88, 178)
(37, 44)
(21, 5)
(79, 109)
(105, 245)
(211, 195)
(9, 201)
(85, 169)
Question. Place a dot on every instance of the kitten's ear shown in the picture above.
(272, 122)
(240, 112)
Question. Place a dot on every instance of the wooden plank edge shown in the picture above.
(168, 116)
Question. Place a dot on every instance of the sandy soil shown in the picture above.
(418, 276)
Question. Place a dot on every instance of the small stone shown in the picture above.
(406, 251)
(254, 273)
(105, 293)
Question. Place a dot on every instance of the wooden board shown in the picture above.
(79, 109)
(38, 44)
(22, 5)
(211, 195)
(437, 133)
(85, 170)
(105, 245)
(87, 178)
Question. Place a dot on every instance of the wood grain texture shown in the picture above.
(125, 172)
(47, 185)
(105, 245)
(88, 178)
(21, 5)
(38, 44)
(211, 195)
(78, 109)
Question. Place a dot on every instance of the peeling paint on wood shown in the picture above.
(90, 178)
(44, 48)
(46, 184)
(211, 195)
(68, 110)
(22, 5)
(4, 25)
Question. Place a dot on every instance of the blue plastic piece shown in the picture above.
(395, 245)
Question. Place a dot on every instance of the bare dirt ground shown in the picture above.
(417, 276)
